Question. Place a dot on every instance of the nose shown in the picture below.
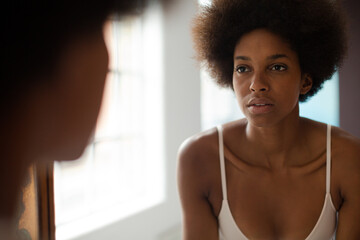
(259, 83)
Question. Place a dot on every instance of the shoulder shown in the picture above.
(345, 146)
(342, 143)
(195, 148)
(345, 149)
(207, 142)
(198, 162)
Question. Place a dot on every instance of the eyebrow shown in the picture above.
(277, 56)
(272, 57)
(242, 58)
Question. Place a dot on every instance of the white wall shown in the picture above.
(181, 118)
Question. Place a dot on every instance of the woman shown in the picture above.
(273, 174)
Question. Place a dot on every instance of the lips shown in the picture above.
(259, 102)
(260, 105)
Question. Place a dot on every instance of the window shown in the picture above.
(204, 2)
(324, 106)
(218, 105)
(121, 171)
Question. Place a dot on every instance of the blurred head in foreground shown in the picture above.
(53, 71)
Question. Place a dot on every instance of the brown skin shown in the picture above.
(275, 160)
(54, 121)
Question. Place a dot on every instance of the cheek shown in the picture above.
(295, 90)
(288, 95)
(79, 95)
(91, 87)
(240, 91)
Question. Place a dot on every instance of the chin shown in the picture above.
(72, 155)
(262, 122)
(259, 124)
(71, 150)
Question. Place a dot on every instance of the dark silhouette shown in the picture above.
(54, 65)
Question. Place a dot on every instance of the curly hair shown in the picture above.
(315, 30)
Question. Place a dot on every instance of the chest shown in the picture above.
(264, 204)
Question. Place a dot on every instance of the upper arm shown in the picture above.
(349, 213)
(199, 222)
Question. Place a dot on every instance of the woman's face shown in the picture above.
(267, 78)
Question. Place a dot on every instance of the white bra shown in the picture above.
(326, 224)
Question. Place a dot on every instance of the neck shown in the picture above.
(276, 142)
(7, 230)
(13, 169)
(16, 157)
(12, 177)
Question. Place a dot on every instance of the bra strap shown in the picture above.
(328, 158)
(222, 162)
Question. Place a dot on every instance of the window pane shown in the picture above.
(121, 172)
(218, 105)
(324, 106)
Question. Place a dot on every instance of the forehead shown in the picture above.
(262, 43)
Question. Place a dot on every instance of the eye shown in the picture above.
(278, 67)
(242, 69)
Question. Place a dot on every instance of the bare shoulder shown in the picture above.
(198, 144)
(345, 153)
(198, 158)
(345, 147)
(203, 145)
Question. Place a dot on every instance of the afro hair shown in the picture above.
(315, 29)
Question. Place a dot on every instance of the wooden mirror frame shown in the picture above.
(36, 215)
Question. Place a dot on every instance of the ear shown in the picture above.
(306, 83)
